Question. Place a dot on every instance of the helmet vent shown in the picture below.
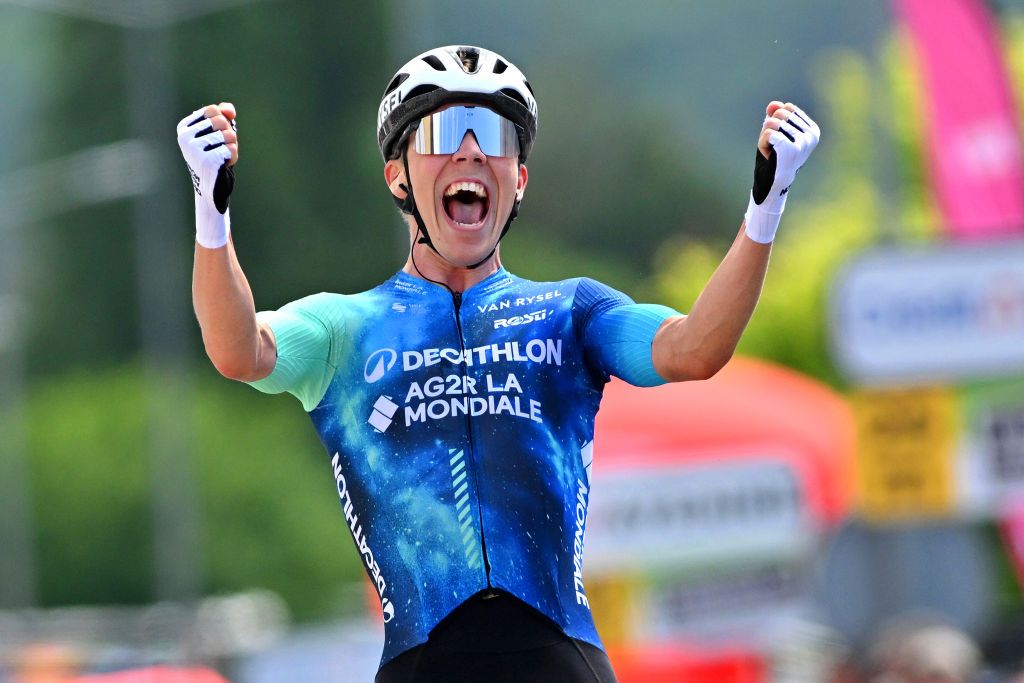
(419, 90)
(529, 87)
(395, 82)
(433, 61)
(500, 66)
(470, 58)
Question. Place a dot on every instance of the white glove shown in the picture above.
(207, 156)
(791, 143)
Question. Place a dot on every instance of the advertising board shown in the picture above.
(675, 514)
(930, 315)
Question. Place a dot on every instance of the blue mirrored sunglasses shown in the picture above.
(443, 131)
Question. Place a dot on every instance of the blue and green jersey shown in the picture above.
(459, 431)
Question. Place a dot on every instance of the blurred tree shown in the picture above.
(311, 211)
(272, 518)
(617, 186)
(917, 215)
(821, 231)
(309, 181)
(610, 181)
(82, 290)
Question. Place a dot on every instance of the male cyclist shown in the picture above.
(456, 401)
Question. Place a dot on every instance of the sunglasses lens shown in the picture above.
(442, 132)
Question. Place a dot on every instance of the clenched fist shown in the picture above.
(208, 138)
(788, 136)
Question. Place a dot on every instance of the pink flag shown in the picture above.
(973, 140)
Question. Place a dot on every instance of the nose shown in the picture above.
(469, 150)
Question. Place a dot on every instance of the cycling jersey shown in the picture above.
(459, 430)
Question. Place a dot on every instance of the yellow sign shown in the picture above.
(905, 450)
(614, 601)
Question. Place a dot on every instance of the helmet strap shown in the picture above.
(408, 205)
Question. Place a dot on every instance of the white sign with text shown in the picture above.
(903, 316)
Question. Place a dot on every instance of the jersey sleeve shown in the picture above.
(308, 333)
(617, 333)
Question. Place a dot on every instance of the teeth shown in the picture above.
(467, 186)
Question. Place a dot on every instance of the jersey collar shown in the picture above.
(411, 284)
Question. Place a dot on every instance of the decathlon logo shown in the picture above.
(360, 533)
(378, 363)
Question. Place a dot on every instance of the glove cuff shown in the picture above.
(212, 226)
(762, 223)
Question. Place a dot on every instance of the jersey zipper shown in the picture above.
(457, 300)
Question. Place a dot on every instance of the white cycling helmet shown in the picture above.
(456, 73)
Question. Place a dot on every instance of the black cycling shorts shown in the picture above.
(494, 637)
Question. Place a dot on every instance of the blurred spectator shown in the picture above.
(910, 652)
(45, 663)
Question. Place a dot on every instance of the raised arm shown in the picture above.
(700, 344)
(239, 347)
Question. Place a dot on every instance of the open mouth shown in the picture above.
(466, 203)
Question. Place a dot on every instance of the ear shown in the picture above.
(521, 182)
(394, 176)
